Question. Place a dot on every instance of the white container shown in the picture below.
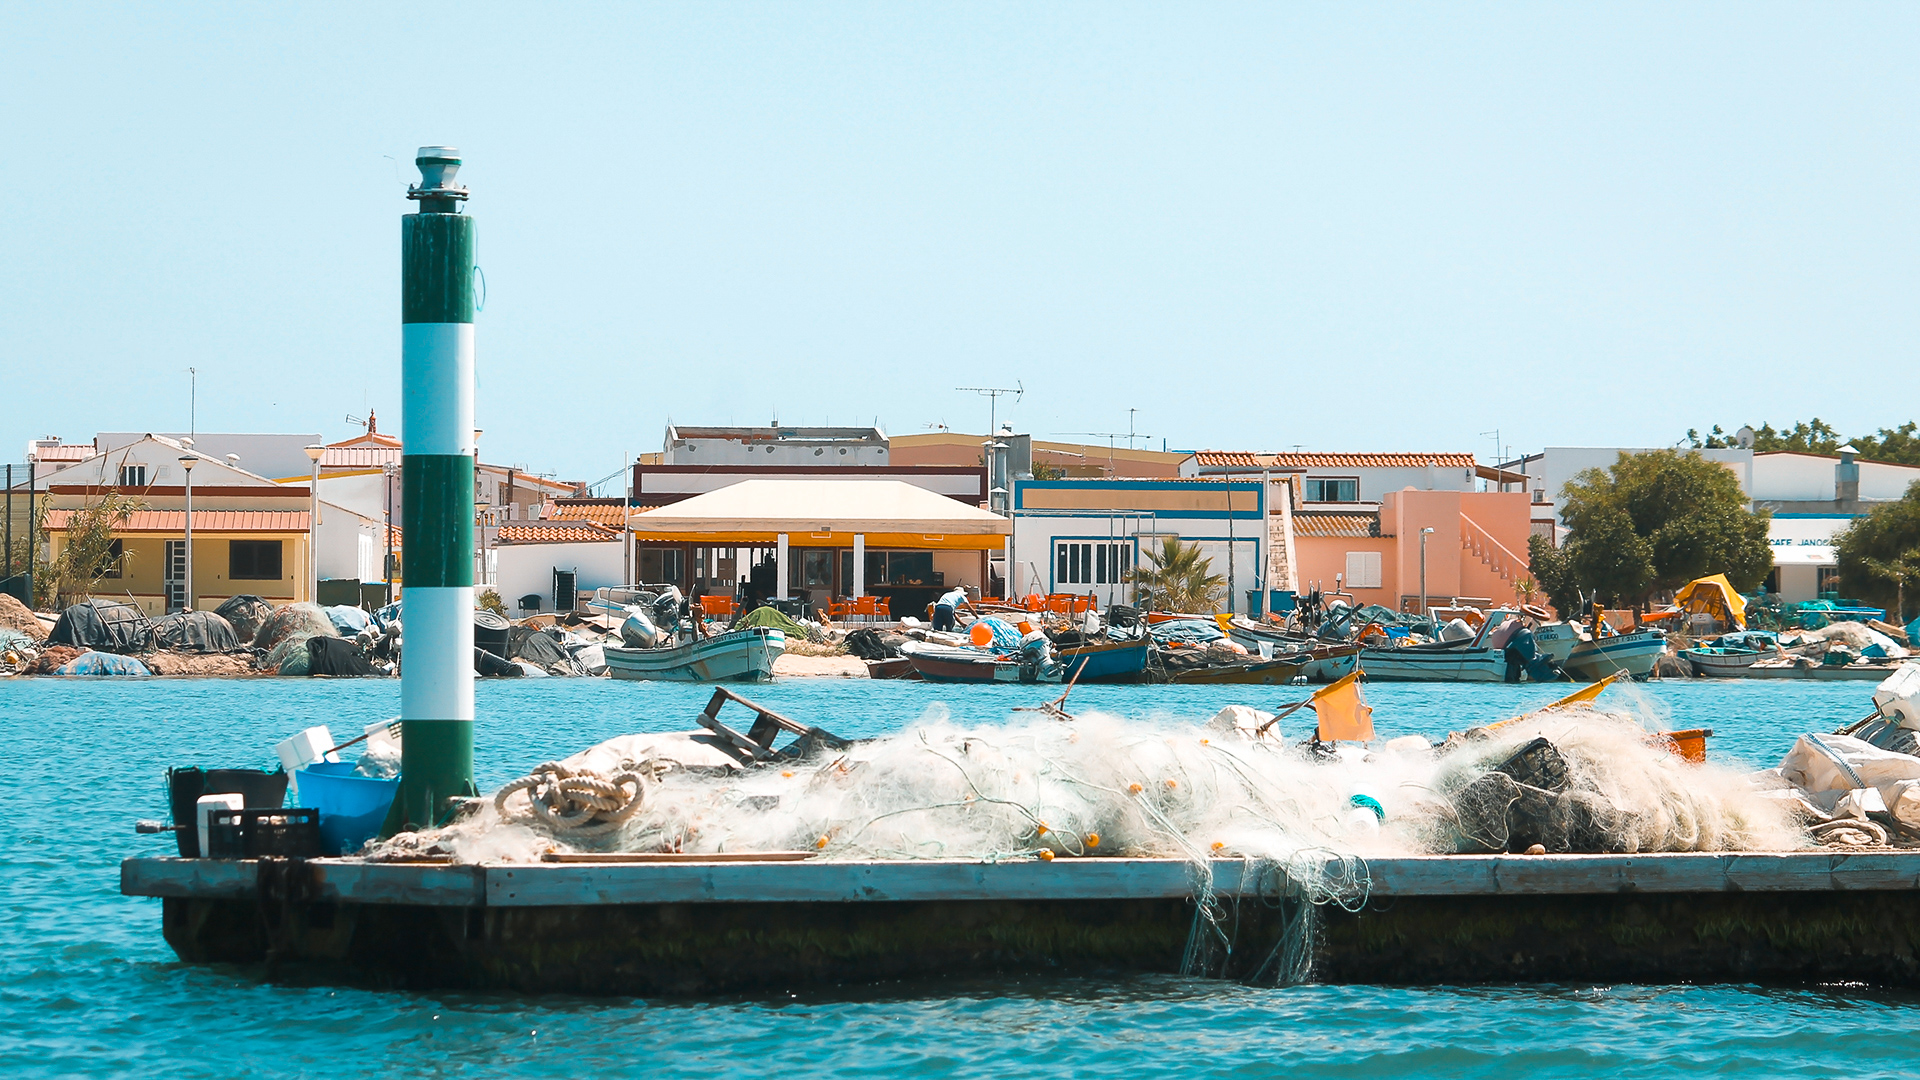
(203, 809)
(383, 737)
(1898, 695)
(1364, 812)
(311, 745)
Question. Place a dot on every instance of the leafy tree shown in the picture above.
(1899, 445)
(1177, 578)
(1654, 521)
(1550, 570)
(87, 554)
(1879, 554)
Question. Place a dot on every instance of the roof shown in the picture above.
(1241, 459)
(612, 513)
(65, 452)
(555, 532)
(175, 521)
(818, 505)
(1343, 523)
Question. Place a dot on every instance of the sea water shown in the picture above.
(89, 988)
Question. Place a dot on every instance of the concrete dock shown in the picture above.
(700, 927)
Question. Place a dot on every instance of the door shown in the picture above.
(565, 596)
(175, 575)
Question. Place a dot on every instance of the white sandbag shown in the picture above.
(1898, 695)
(1240, 721)
(1858, 635)
(592, 659)
(1902, 799)
(1456, 630)
(1842, 762)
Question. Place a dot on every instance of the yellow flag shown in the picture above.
(1343, 714)
(1583, 696)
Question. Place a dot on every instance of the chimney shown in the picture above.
(1846, 477)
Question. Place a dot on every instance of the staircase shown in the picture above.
(1497, 557)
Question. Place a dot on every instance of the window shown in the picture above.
(253, 560)
(114, 563)
(1829, 587)
(1363, 569)
(1091, 563)
(133, 476)
(1323, 490)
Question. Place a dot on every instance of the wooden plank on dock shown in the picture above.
(652, 881)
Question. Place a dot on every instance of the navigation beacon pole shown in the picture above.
(436, 602)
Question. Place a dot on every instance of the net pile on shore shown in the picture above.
(1107, 786)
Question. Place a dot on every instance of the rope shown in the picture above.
(579, 804)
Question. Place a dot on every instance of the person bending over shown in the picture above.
(949, 603)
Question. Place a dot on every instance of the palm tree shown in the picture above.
(1177, 578)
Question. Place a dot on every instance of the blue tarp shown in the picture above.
(348, 621)
(1006, 636)
(100, 663)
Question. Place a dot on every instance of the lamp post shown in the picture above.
(1423, 570)
(314, 453)
(186, 598)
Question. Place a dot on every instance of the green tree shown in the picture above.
(1177, 578)
(1897, 445)
(87, 554)
(1879, 554)
(1654, 521)
(1550, 569)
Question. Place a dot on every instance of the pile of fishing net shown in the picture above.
(1102, 785)
(294, 619)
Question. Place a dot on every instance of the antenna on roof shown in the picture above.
(993, 394)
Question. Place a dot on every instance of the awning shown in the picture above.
(175, 521)
(824, 513)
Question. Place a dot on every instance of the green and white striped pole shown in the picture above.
(436, 604)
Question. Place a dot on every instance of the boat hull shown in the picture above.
(1121, 661)
(1264, 673)
(1449, 665)
(736, 656)
(1719, 665)
(967, 666)
(1630, 654)
(1822, 672)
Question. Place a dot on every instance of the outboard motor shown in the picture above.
(670, 608)
(638, 631)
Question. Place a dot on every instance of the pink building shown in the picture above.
(1478, 546)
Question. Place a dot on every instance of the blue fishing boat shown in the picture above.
(1111, 661)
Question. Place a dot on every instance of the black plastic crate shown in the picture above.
(185, 786)
(249, 834)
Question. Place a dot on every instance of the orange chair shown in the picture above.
(864, 607)
(884, 609)
(717, 606)
(838, 611)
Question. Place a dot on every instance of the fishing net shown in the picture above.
(290, 656)
(244, 613)
(294, 619)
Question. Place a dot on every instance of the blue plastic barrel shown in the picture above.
(352, 808)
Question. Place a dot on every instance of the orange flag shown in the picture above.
(1344, 715)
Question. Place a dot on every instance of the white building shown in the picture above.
(546, 566)
(776, 445)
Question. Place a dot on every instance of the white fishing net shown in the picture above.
(1102, 785)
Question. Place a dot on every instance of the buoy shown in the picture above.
(982, 634)
(1135, 789)
(1093, 839)
(1046, 856)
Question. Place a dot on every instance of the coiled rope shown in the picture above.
(578, 803)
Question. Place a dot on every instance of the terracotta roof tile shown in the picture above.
(555, 532)
(600, 515)
(1241, 459)
(359, 457)
(175, 521)
(1335, 523)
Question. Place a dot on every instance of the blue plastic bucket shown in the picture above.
(352, 808)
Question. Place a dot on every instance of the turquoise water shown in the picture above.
(88, 988)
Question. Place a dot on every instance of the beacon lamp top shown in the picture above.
(187, 461)
(436, 192)
(314, 452)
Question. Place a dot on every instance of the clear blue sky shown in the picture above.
(1342, 226)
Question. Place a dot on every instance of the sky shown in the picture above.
(1333, 226)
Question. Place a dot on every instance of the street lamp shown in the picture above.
(1423, 570)
(186, 466)
(314, 453)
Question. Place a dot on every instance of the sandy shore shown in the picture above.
(787, 665)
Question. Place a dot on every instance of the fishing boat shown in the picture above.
(942, 663)
(1326, 662)
(735, 656)
(893, 667)
(1631, 654)
(1251, 673)
(1789, 669)
(1438, 662)
(1713, 662)
(1110, 661)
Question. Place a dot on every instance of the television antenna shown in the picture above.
(994, 394)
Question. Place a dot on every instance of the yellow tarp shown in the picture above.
(1343, 714)
(1713, 596)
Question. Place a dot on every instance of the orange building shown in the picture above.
(1477, 547)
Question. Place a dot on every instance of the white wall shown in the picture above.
(1790, 477)
(364, 493)
(348, 545)
(275, 457)
(520, 569)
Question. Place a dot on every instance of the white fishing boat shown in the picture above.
(1710, 662)
(1462, 662)
(1633, 654)
(735, 656)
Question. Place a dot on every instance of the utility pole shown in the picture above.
(993, 395)
(436, 496)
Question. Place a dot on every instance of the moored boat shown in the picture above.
(1632, 654)
(939, 663)
(1110, 661)
(1712, 662)
(1253, 673)
(1819, 672)
(735, 656)
(1434, 663)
